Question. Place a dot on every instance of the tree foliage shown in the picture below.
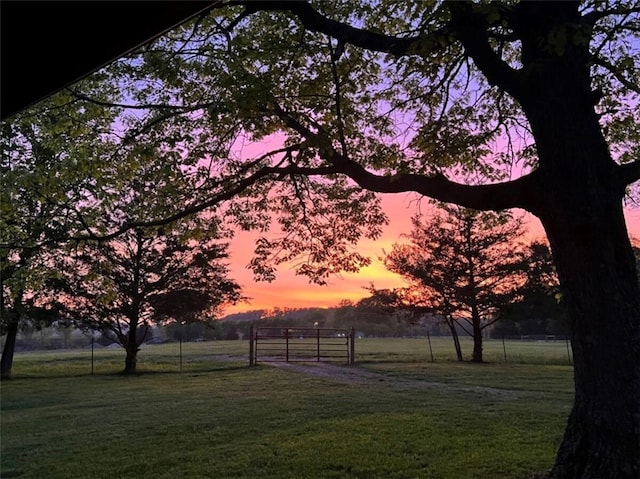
(462, 264)
(539, 309)
(48, 188)
(125, 285)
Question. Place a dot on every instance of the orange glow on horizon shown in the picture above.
(292, 291)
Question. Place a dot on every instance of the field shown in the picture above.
(199, 411)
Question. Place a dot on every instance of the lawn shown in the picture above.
(220, 418)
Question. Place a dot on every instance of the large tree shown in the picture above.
(125, 285)
(45, 195)
(404, 96)
(464, 264)
(69, 175)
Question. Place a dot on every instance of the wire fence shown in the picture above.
(192, 356)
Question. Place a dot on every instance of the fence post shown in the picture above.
(180, 346)
(252, 360)
(504, 349)
(92, 351)
(318, 345)
(286, 342)
(352, 343)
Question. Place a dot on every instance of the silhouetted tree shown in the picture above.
(124, 285)
(464, 265)
(539, 309)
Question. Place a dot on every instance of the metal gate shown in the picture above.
(301, 344)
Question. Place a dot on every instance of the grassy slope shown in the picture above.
(227, 420)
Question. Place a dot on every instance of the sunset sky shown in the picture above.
(291, 291)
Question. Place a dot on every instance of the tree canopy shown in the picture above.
(125, 285)
(462, 264)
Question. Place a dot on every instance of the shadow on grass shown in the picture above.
(218, 367)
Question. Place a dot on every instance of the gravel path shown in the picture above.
(358, 376)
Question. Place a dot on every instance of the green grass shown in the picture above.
(224, 419)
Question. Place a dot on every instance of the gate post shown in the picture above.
(352, 343)
(252, 357)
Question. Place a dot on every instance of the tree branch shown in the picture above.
(470, 28)
(141, 106)
(629, 173)
(315, 21)
(498, 196)
(187, 211)
(593, 17)
(617, 74)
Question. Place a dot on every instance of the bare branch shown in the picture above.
(338, 98)
(142, 106)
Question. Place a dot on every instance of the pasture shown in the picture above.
(394, 414)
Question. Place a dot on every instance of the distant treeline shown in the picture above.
(538, 320)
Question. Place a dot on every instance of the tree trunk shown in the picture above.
(131, 359)
(14, 314)
(6, 363)
(456, 339)
(580, 206)
(131, 348)
(456, 343)
(477, 335)
(578, 198)
(599, 284)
